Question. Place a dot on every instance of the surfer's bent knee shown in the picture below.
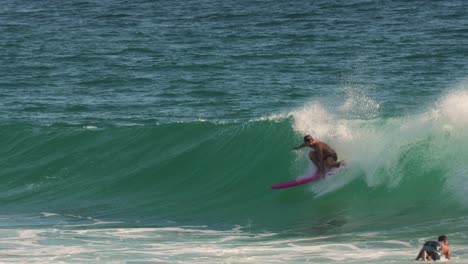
(312, 156)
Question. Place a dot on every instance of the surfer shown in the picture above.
(323, 154)
(433, 250)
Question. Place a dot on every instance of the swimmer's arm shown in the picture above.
(448, 254)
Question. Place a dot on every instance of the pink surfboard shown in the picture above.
(296, 182)
(307, 179)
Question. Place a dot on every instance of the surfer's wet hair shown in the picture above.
(308, 138)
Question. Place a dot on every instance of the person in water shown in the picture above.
(433, 250)
(323, 155)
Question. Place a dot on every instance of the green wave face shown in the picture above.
(218, 174)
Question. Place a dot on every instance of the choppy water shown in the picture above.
(150, 131)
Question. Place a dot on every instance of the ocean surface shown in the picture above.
(151, 131)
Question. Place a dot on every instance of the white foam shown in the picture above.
(90, 127)
(453, 107)
(375, 146)
(46, 214)
(196, 245)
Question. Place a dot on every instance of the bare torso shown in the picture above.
(325, 148)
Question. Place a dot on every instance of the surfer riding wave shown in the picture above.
(322, 155)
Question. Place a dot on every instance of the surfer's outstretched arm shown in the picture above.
(300, 146)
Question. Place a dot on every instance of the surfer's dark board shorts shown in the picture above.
(333, 155)
(433, 249)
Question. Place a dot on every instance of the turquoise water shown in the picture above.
(150, 132)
